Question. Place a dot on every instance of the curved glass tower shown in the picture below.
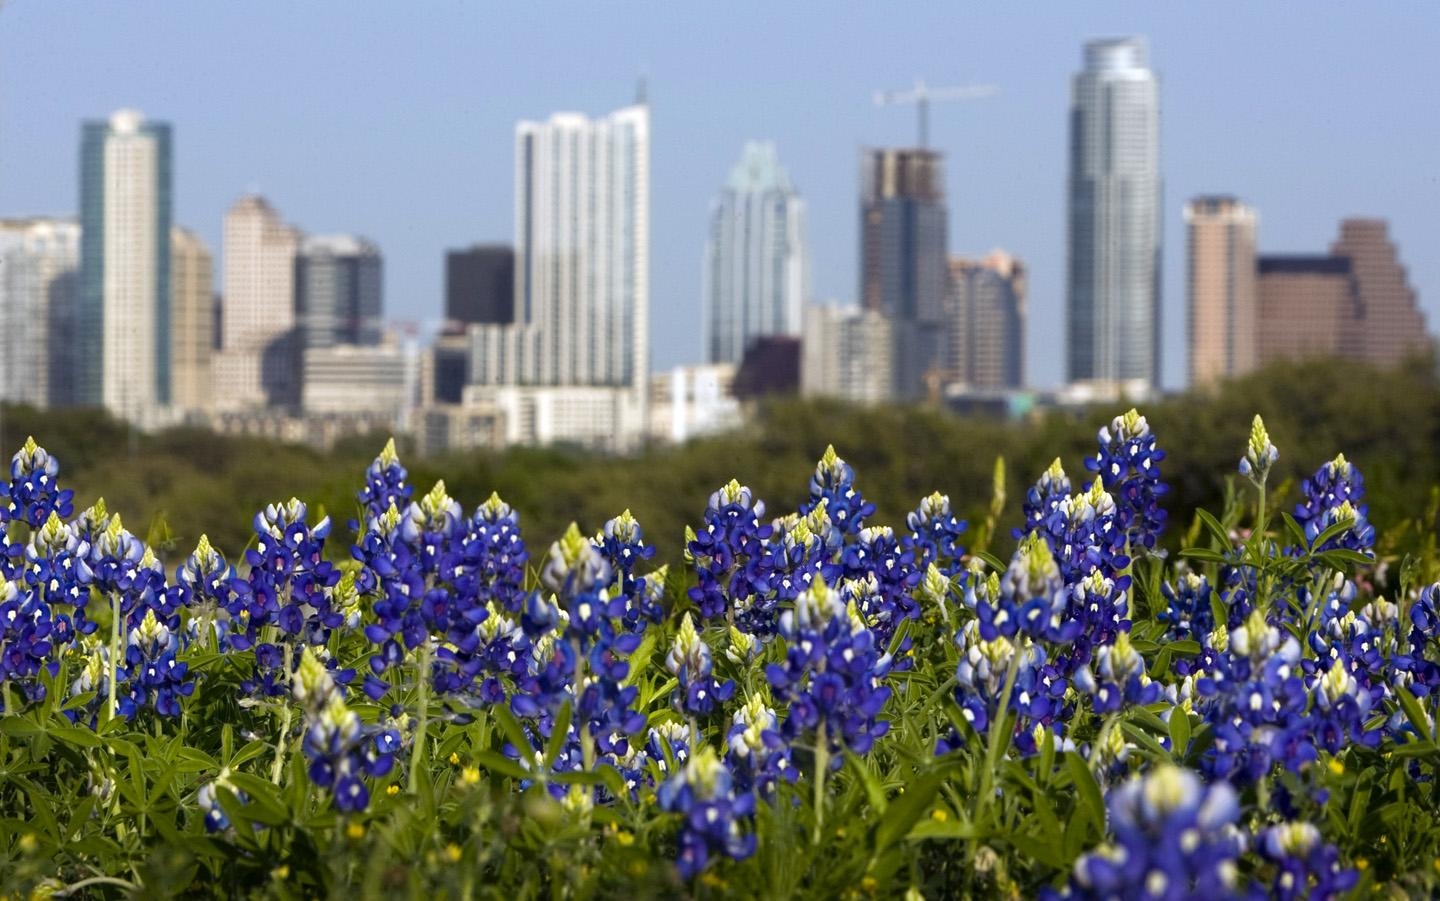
(1113, 309)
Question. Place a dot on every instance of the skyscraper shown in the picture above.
(756, 264)
(38, 260)
(338, 291)
(480, 285)
(1394, 325)
(1308, 306)
(258, 364)
(123, 327)
(848, 353)
(192, 296)
(582, 295)
(1113, 313)
(903, 272)
(1222, 293)
(985, 324)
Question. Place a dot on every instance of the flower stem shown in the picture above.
(278, 767)
(822, 769)
(997, 728)
(417, 753)
(113, 664)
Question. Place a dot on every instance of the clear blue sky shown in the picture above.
(396, 120)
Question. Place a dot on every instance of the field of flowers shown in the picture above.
(807, 707)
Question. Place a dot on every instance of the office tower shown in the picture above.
(985, 328)
(354, 378)
(902, 257)
(192, 296)
(1308, 306)
(38, 283)
(338, 291)
(756, 264)
(480, 285)
(1221, 290)
(258, 365)
(123, 330)
(1394, 325)
(581, 283)
(1113, 314)
(848, 353)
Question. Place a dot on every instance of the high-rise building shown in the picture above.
(582, 296)
(259, 362)
(985, 327)
(848, 353)
(1308, 306)
(756, 264)
(1394, 324)
(903, 272)
(123, 328)
(338, 291)
(38, 281)
(1113, 312)
(1222, 293)
(192, 297)
(480, 285)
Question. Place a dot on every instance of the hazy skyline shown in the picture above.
(397, 122)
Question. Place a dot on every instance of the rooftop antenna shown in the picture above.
(922, 95)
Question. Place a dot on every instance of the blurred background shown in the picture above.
(607, 257)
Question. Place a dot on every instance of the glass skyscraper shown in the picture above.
(1113, 311)
(338, 291)
(123, 323)
(756, 264)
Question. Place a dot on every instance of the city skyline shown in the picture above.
(1304, 149)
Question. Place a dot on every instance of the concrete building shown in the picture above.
(480, 286)
(192, 296)
(1309, 306)
(1394, 324)
(1221, 295)
(123, 329)
(339, 291)
(903, 274)
(848, 354)
(690, 401)
(352, 378)
(985, 322)
(582, 297)
(756, 275)
(1113, 309)
(39, 261)
(258, 364)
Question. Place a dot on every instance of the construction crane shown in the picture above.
(922, 95)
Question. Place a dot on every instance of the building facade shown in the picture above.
(903, 274)
(1308, 306)
(690, 401)
(1394, 324)
(1113, 306)
(339, 291)
(258, 364)
(1221, 290)
(848, 354)
(756, 275)
(39, 260)
(192, 296)
(480, 286)
(985, 323)
(123, 325)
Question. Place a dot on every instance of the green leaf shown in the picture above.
(1416, 714)
(1179, 732)
(873, 789)
(1204, 555)
(512, 730)
(496, 762)
(265, 805)
(558, 735)
(1213, 526)
(942, 829)
(1086, 787)
(904, 812)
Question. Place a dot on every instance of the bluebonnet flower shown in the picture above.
(1174, 838)
(156, 678)
(57, 566)
(1129, 467)
(1119, 677)
(755, 751)
(1306, 867)
(729, 553)
(33, 493)
(493, 555)
(384, 485)
(26, 641)
(830, 679)
(1085, 534)
(1043, 498)
(1336, 494)
(877, 556)
(834, 483)
(690, 662)
(623, 543)
(1342, 707)
(1260, 454)
(714, 813)
(203, 584)
(341, 749)
(1190, 613)
(935, 535)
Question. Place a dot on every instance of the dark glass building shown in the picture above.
(480, 285)
(338, 291)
